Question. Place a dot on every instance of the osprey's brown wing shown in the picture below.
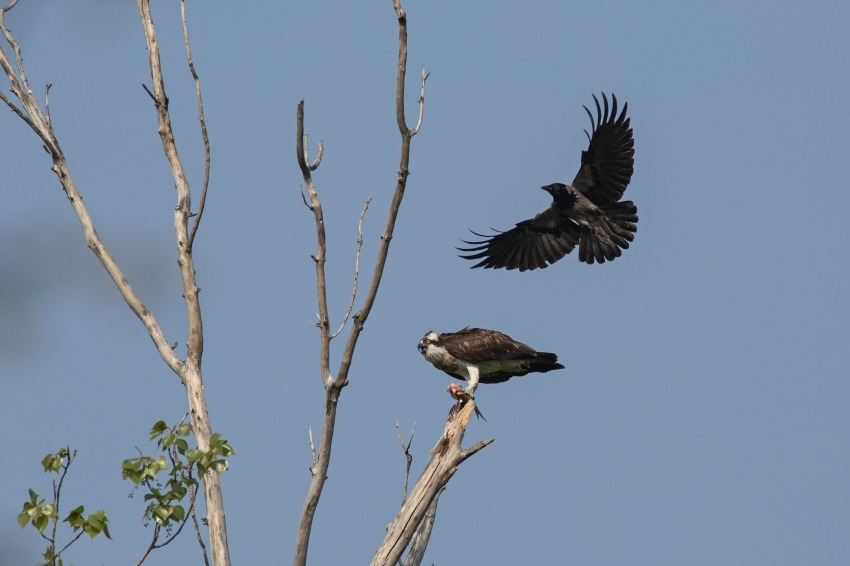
(531, 244)
(481, 345)
(608, 163)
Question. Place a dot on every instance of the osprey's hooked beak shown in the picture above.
(421, 346)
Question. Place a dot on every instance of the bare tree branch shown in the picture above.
(37, 120)
(315, 165)
(191, 367)
(198, 536)
(203, 122)
(312, 450)
(446, 456)
(334, 385)
(419, 542)
(319, 257)
(150, 547)
(407, 455)
(356, 268)
(47, 103)
(14, 108)
(188, 370)
(421, 103)
(401, 183)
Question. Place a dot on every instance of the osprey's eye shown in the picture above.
(427, 340)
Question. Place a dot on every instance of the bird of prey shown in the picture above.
(587, 212)
(478, 356)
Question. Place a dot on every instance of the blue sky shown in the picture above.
(702, 415)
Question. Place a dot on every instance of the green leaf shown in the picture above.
(178, 513)
(96, 524)
(157, 429)
(184, 430)
(161, 514)
(40, 523)
(23, 519)
(194, 455)
(76, 518)
(179, 490)
(52, 463)
(49, 510)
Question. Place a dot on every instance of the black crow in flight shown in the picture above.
(587, 212)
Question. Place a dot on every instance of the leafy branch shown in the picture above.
(165, 495)
(40, 514)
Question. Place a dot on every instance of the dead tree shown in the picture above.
(187, 369)
(448, 453)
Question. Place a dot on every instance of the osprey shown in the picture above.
(586, 212)
(478, 356)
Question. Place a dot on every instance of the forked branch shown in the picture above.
(31, 113)
(202, 120)
(189, 370)
(191, 366)
(334, 384)
(446, 456)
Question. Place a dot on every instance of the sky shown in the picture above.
(702, 415)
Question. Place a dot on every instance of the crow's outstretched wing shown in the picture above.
(608, 163)
(532, 244)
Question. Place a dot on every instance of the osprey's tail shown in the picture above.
(615, 229)
(543, 362)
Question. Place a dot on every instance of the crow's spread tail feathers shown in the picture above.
(604, 239)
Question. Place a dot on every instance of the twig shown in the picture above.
(151, 546)
(57, 488)
(408, 456)
(203, 122)
(17, 111)
(192, 494)
(147, 90)
(315, 165)
(47, 103)
(198, 530)
(415, 130)
(70, 542)
(19, 59)
(356, 268)
(312, 450)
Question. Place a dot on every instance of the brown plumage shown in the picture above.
(478, 355)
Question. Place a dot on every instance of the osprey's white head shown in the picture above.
(431, 348)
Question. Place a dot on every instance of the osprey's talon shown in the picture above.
(459, 393)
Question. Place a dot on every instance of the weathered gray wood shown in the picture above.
(446, 456)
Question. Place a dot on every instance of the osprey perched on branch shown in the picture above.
(586, 212)
(478, 356)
